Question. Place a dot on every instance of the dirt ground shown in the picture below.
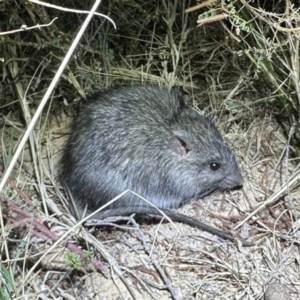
(152, 260)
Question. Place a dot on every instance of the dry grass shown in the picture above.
(243, 69)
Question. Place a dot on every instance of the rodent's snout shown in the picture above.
(238, 182)
(234, 181)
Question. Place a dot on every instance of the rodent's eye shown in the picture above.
(214, 166)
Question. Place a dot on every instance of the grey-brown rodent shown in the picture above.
(147, 139)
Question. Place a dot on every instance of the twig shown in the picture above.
(294, 178)
(211, 19)
(73, 10)
(20, 193)
(155, 263)
(47, 234)
(25, 28)
(269, 22)
(200, 5)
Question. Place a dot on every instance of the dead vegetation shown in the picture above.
(241, 64)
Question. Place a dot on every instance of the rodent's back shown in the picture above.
(146, 139)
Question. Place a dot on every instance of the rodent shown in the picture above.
(147, 139)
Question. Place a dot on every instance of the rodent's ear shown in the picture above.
(179, 144)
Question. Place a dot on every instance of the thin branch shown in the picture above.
(25, 28)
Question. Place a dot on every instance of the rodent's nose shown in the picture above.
(236, 181)
(239, 182)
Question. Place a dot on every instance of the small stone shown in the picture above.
(276, 291)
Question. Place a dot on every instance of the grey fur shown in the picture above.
(146, 139)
